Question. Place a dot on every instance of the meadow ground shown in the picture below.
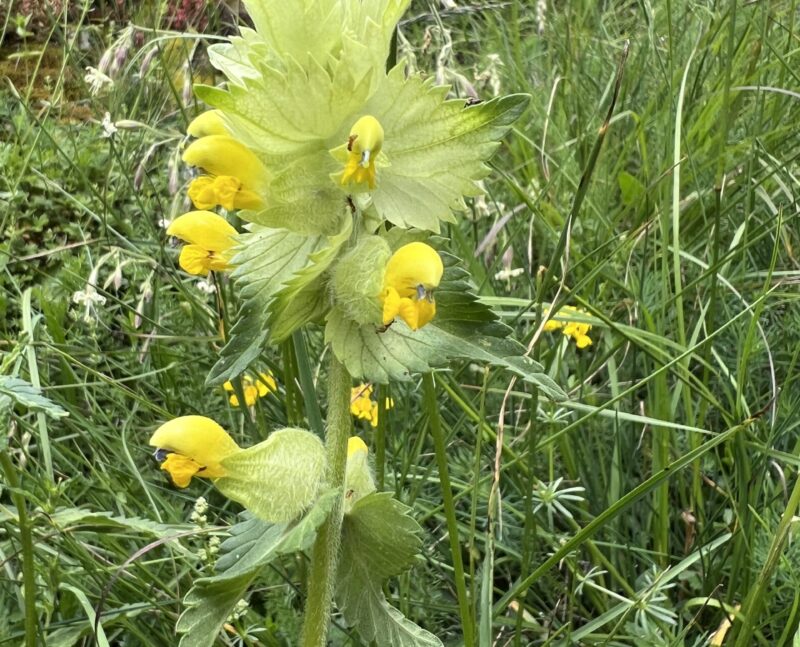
(656, 506)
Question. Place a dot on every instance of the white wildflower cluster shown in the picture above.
(198, 515)
(109, 128)
(240, 609)
(90, 299)
(206, 287)
(97, 80)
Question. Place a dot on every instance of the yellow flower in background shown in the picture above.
(364, 145)
(253, 389)
(363, 407)
(192, 446)
(236, 177)
(411, 274)
(210, 240)
(358, 475)
(575, 329)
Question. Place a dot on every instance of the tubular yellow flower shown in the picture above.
(358, 476)
(355, 445)
(411, 274)
(575, 329)
(192, 446)
(206, 192)
(210, 239)
(275, 480)
(207, 123)
(253, 388)
(223, 155)
(364, 145)
(236, 179)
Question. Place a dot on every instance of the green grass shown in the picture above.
(680, 241)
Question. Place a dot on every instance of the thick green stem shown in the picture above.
(449, 508)
(26, 539)
(325, 554)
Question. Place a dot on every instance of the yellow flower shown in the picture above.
(236, 177)
(207, 123)
(206, 192)
(358, 476)
(364, 146)
(192, 446)
(355, 445)
(363, 407)
(575, 329)
(253, 388)
(411, 274)
(276, 480)
(210, 239)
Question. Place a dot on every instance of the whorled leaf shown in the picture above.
(237, 58)
(253, 544)
(380, 539)
(321, 29)
(287, 114)
(437, 148)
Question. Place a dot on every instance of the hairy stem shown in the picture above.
(325, 553)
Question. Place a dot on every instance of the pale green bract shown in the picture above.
(297, 85)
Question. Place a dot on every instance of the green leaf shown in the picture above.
(236, 59)
(288, 113)
(208, 604)
(278, 274)
(252, 546)
(463, 328)
(379, 539)
(254, 543)
(399, 352)
(28, 396)
(266, 260)
(437, 149)
(304, 296)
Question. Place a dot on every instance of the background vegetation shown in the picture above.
(683, 253)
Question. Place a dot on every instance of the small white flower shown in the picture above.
(164, 223)
(108, 126)
(97, 80)
(206, 287)
(88, 297)
(504, 275)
